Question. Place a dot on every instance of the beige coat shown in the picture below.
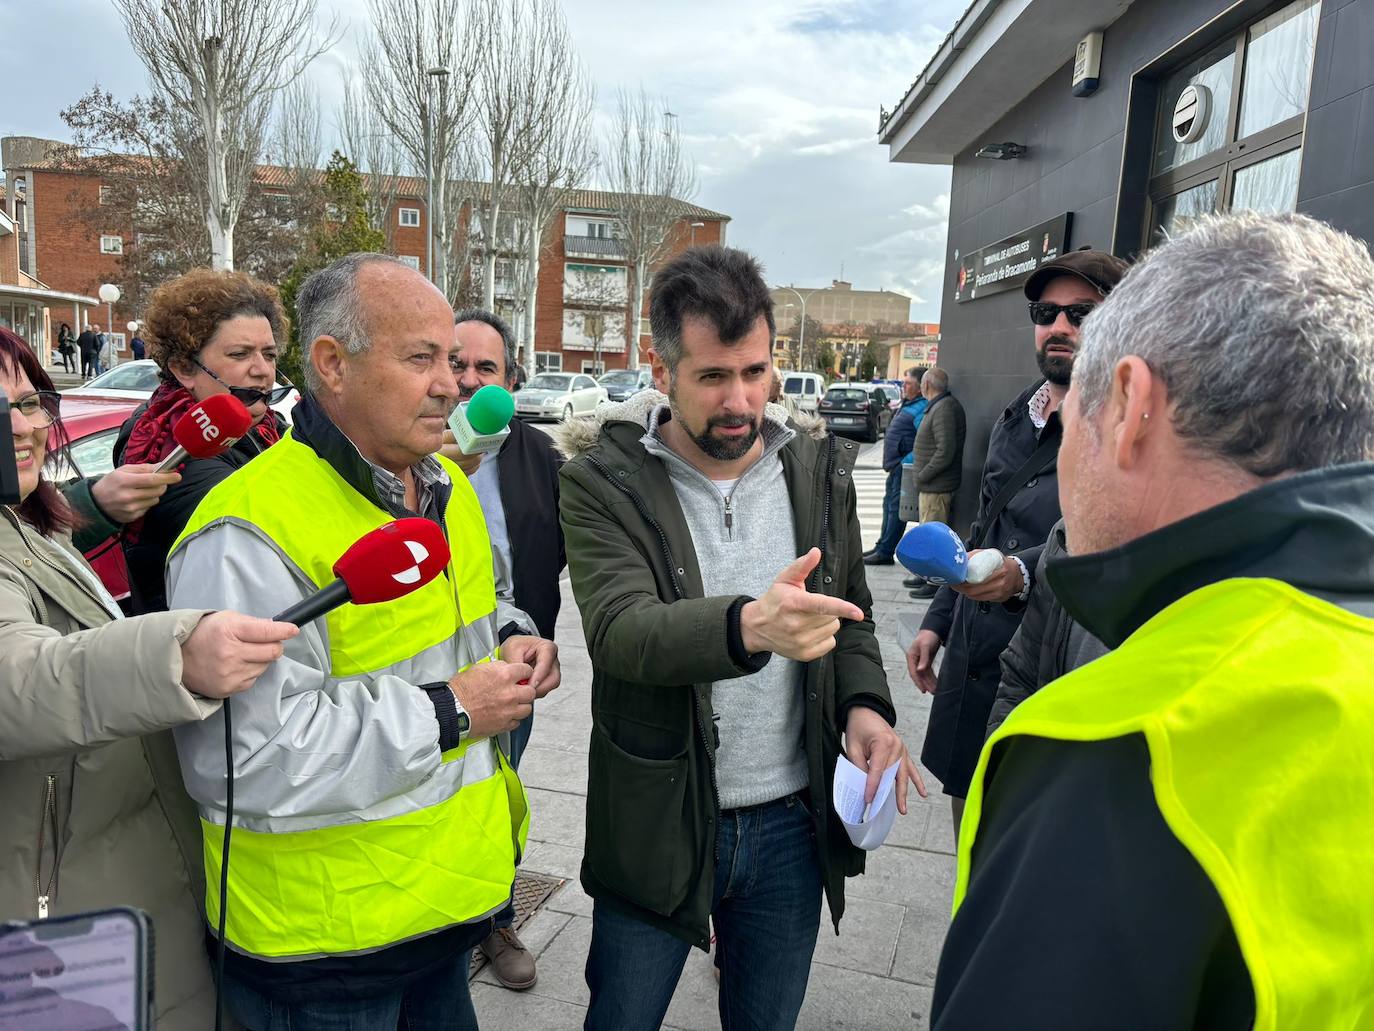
(83, 702)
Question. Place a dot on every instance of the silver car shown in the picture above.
(559, 395)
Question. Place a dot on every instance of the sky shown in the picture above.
(777, 102)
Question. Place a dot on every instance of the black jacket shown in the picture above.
(147, 557)
(1083, 910)
(1046, 645)
(939, 446)
(976, 633)
(87, 343)
(528, 475)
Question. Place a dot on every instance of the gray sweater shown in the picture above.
(760, 716)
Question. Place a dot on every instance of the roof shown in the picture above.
(996, 55)
(411, 186)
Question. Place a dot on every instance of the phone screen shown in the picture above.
(9, 466)
(77, 973)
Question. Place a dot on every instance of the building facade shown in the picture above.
(1109, 123)
(582, 319)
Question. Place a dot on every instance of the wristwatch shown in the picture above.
(464, 720)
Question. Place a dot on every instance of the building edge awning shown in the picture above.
(996, 55)
(33, 293)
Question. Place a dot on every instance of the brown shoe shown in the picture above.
(510, 961)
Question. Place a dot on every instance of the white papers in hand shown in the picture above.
(867, 829)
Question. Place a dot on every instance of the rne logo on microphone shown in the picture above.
(208, 430)
(412, 575)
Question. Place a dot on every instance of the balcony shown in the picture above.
(602, 247)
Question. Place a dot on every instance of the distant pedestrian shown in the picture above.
(88, 343)
(897, 444)
(938, 455)
(138, 348)
(66, 348)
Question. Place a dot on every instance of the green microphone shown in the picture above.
(482, 423)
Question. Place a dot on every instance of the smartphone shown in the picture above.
(9, 465)
(85, 972)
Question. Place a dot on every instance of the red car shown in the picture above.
(92, 425)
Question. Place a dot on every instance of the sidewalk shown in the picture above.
(877, 975)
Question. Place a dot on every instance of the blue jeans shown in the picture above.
(766, 909)
(439, 1001)
(519, 738)
(893, 527)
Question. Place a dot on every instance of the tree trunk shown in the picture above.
(638, 320)
(221, 234)
(489, 261)
(221, 244)
(531, 311)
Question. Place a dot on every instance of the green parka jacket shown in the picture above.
(657, 645)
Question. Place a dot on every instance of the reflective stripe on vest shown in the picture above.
(1255, 702)
(443, 853)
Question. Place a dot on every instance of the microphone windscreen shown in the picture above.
(211, 426)
(934, 551)
(490, 410)
(393, 560)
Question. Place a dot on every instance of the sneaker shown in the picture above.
(510, 961)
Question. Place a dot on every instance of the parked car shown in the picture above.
(92, 424)
(804, 388)
(891, 391)
(621, 384)
(850, 409)
(559, 395)
(138, 379)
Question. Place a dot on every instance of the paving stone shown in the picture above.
(904, 876)
(842, 999)
(867, 939)
(571, 899)
(536, 934)
(555, 860)
(923, 934)
(531, 1011)
(557, 817)
(553, 769)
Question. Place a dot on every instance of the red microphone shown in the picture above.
(383, 565)
(208, 429)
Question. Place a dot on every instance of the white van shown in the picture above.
(804, 388)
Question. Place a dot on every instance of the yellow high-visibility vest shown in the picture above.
(447, 853)
(1256, 702)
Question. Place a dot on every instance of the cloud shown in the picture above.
(777, 99)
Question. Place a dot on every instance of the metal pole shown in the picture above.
(429, 178)
(801, 344)
(109, 331)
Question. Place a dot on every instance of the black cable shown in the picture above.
(224, 863)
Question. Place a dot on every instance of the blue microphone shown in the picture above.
(934, 551)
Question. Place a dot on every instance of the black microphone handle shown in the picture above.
(307, 610)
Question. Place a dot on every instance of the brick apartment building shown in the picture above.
(582, 293)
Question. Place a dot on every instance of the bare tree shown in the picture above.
(428, 114)
(376, 154)
(219, 64)
(560, 163)
(521, 76)
(645, 166)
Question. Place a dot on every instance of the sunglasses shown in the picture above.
(248, 395)
(40, 407)
(1043, 313)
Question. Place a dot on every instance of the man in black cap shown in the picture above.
(1018, 505)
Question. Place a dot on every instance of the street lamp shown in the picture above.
(694, 227)
(434, 76)
(109, 293)
(801, 342)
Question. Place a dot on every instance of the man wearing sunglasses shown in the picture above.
(1018, 505)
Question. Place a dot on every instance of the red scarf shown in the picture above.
(151, 439)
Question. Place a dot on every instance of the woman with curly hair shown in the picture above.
(210, 333)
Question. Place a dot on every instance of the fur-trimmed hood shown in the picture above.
(576, 437)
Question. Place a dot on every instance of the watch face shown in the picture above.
(464, 723)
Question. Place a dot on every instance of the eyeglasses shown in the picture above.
(40, 407)
(248, 395)
(1043, 313)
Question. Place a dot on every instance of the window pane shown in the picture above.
(1172, 214)
(1270, 186)
(1216, 71)
(1278, 66)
